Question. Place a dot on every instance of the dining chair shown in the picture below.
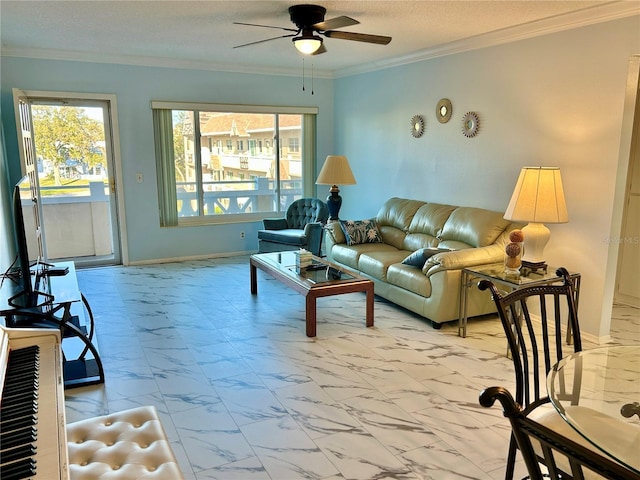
(532, 318)
(564, 458)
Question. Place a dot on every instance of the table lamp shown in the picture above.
(538, 198)
(336, 170)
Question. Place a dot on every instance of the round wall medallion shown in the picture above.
(417, 126)
(444, 110)
(470, 124)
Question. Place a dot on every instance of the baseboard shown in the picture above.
(190, 257)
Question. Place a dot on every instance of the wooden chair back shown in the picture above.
(533, 319)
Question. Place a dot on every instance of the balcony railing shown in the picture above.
(237, 196)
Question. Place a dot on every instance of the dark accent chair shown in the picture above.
(563, 457)
(532, 318)
(302, 227)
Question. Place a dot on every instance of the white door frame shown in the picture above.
(111, 100)
(632, 95)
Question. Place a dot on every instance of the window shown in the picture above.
(294, 145)
(200, 182)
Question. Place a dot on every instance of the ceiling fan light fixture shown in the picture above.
(307, 44)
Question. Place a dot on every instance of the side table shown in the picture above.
(495, 273)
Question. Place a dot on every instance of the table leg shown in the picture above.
(369, 313)
(311, 315)
(254, 279)
(462, 306)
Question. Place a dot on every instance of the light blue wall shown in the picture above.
(550, 100)
(554, 100)
(135, 87)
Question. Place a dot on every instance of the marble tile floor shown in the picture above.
(244, 394)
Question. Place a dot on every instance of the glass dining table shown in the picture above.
(597, 392)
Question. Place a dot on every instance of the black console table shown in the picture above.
(60, 304)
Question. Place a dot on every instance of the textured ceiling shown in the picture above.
(202, 33)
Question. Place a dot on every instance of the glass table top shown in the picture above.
(496, 271)
(597, 392)
(318, 271)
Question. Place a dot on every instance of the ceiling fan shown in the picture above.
(309, 20)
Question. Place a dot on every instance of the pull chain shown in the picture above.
(304, 78)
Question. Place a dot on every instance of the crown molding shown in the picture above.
(589, 16)
(159, 62)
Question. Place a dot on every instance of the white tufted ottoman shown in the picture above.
(131, 444)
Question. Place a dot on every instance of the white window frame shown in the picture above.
(167, 198)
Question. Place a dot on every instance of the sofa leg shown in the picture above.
(436, 325)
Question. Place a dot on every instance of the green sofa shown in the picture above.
(471, 236)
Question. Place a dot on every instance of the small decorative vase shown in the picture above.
(513, 252)
(513, 258)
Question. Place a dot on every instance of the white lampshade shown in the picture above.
(307, 44)
(336, 171)
(537, 198)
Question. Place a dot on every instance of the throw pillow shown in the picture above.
(420, 256)
(361, 231)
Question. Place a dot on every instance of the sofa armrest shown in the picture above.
(335, 233)
(459, 259)
(275, 223)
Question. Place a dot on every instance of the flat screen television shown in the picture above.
(27, 233)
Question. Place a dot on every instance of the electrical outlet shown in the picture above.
(241, 234)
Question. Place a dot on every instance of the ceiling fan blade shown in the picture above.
(265, 40)
(358, 37)
(322, 49)
(266, 26)
(338, 22)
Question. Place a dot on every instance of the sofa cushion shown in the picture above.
(288, 236)
(398, 212)
(426, 225)
(474, 226)
(409, 278)
(392, 235)
(375, 263)
(417, 258)
(361, 231)
(349, 256)
(430, 218)
(394, 217)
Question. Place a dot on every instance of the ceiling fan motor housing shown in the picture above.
(306, 15)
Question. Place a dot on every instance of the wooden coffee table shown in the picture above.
(311, 283)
